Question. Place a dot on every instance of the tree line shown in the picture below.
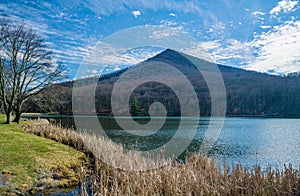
(27, 84)
(249, 93)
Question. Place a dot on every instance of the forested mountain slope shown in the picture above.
(248, 92)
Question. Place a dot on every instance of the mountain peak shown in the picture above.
(168, 55)
(169, 51)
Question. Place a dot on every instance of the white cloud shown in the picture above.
(168, 23)
(284, 6)
(104, 56)
(136, 13)
(217, 30)
(211, 45)
(258, 13)
(200, 50)
(163, 33)
(218, 52)
(98, 59)
(278, 49)
(71, 54)
(233, 50)
(265, 27)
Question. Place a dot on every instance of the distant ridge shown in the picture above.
(249, 93)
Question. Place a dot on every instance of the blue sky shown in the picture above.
(256, 35)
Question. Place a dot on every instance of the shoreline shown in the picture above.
(207, 177)
(30, 164)
(198, 175)
(45, 115)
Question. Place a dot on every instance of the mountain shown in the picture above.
(248, 93)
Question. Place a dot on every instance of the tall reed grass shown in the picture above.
(199, 175)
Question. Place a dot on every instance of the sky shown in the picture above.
(256, 35)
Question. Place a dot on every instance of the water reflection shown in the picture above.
(249, 141)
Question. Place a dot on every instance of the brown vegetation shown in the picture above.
(199, 175)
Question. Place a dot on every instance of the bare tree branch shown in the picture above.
(26, 66)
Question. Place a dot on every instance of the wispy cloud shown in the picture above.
(221, 30)
(222, 53)
(105, 58)
(258, 13)
(265, 26)
(168, 32)
(278, 49)
(234, 53)
(284, 6)
(105, 54)
(200, 50)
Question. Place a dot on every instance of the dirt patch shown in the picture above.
(3, 180)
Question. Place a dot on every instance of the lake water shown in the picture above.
(269, 142)
(249, 141)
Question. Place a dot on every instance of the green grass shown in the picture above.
(28, 160)
(199, 175)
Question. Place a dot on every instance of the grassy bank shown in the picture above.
(198, 176)
(29, 163)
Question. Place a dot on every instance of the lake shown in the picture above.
(249, 141)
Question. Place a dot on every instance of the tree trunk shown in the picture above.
(17, 116)
(18, 113)
(8, 117)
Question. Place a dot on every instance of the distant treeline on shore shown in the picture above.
(249, 93)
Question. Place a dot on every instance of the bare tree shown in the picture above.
(26, 66)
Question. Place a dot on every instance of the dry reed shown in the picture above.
(199, 175)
